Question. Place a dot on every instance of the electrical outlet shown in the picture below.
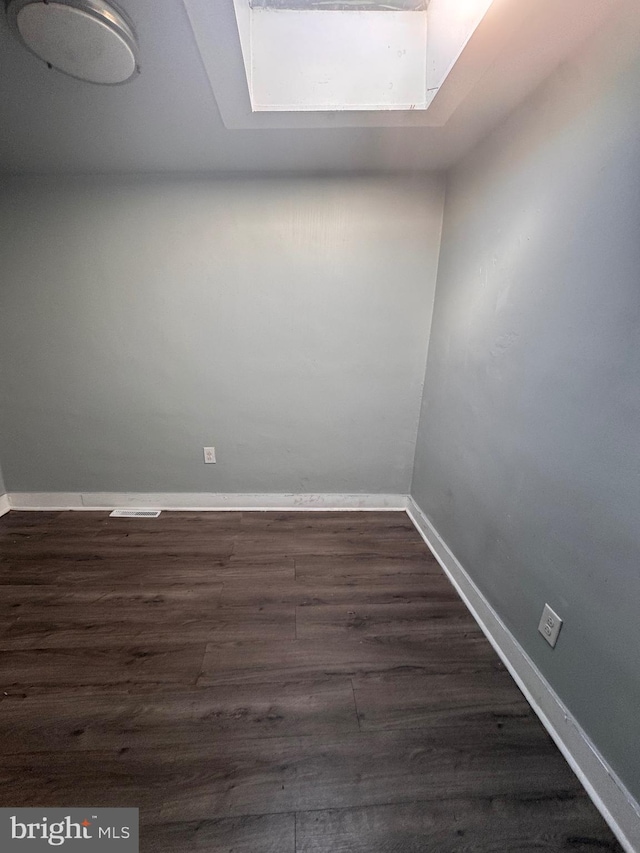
(209, 454)
(550, 625)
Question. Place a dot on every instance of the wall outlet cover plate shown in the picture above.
(550, 625)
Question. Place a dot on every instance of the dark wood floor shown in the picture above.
(268, 683)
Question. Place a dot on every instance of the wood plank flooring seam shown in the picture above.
(561, 795)
(578, 793)
(199, 675)
(355, 704)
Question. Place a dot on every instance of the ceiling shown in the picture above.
(167, 118)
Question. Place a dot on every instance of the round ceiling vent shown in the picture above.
(87, 39)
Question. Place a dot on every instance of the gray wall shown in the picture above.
(280, 320)
(528, 456)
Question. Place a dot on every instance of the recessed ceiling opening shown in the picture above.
(330, 55)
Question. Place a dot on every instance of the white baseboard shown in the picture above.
(201, 501)
(5, 506)
(612, 799)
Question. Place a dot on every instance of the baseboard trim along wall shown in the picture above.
(5, 506)
(201, 501)
(613, 800)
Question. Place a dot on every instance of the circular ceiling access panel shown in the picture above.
(87, 39)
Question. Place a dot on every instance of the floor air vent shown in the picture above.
(135, 513)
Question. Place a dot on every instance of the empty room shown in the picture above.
(320, 426)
